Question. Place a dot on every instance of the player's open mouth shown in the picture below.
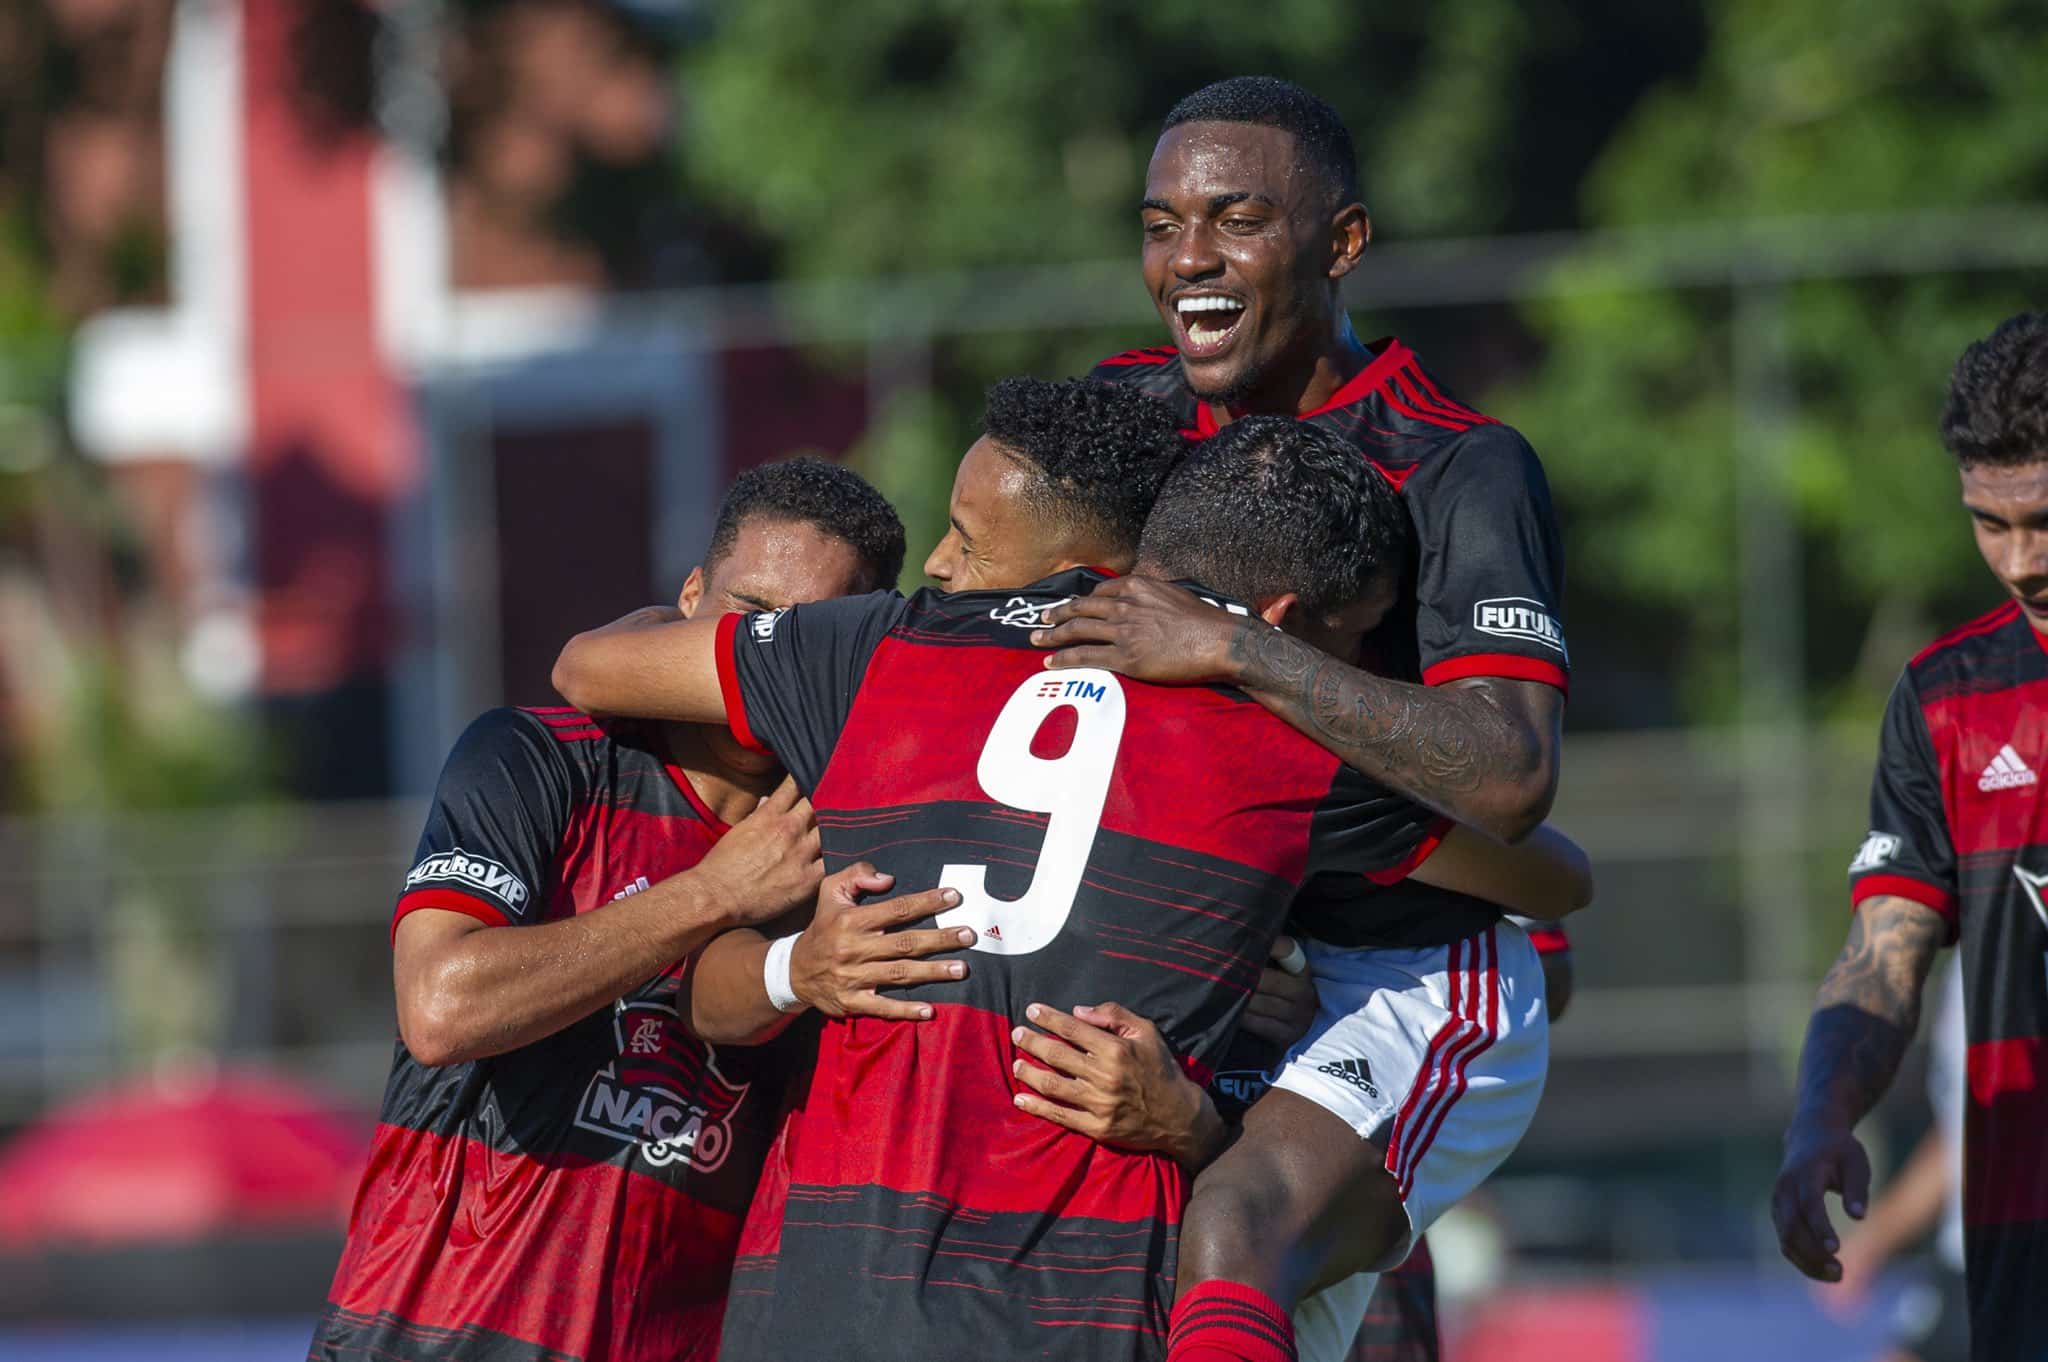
(1208, 321)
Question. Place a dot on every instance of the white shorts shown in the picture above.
(1326, 1324)
(1437, 1055)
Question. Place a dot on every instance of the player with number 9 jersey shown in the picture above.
(1109, 839)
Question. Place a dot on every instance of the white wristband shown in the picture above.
(1295, 961)
(775, 975)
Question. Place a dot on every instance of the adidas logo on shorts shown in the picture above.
(1352, 1071)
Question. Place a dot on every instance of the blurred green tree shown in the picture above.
(905, 136)
(1824, 109)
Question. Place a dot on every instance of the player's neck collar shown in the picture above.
(1388, 355)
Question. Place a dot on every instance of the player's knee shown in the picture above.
(1241, 1225)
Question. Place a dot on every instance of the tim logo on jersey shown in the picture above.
(663, 1093)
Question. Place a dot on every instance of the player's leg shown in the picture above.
(1279, 1215)
(1419, 1079)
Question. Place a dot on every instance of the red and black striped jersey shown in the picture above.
(1486, 595)
(1959, 822)
(1400, 1323)
(580, 1197)
(1111, 840)
(1488, 591)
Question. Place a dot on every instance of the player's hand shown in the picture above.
(1284, 1008)
(852, 950)
(1144, 629)
(1107, 1073)
(769, 862)
(1818, 1159)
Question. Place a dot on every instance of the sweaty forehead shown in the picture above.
(994, 487)
(2021, 489)
(785, 562)
(1204, 160)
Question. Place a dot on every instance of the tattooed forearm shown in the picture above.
(1456, 751)
(1868, 1009)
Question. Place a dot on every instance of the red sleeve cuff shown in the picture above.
(1549, 940)
(1510, 666)
(1905, 887)
(1424, 849)
(729, 686)
(454, 901)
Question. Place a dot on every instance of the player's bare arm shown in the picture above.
(1482, 751)
(1865, 1017)
(650, 664)
(467, 990)
(1547, 875)
(844, 955)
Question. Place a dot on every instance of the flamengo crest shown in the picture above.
(663, 1093)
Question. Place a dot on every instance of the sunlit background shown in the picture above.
(352, 356)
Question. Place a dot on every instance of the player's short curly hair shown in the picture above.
(1321, 138)
(1273, 505)
(829, 497)
(1101, 451)
(1997, 408)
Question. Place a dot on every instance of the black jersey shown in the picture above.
(579, 1197)
(1111, 839)
(1487, 595)
(1959, 823)
(1483, 599)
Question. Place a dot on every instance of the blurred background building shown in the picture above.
(353, 355)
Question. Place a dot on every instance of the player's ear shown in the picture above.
(692, 594)
(1350, 233)
(1280, 610)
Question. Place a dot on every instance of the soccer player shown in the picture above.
(560, 1169)
(1118, 862)
(1957, 852)
(1251, 222)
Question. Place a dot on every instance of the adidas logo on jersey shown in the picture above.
(2006, 772)
(1353, 1071)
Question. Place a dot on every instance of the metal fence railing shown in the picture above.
(258, 934)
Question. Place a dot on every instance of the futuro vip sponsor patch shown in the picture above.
(471, 873)
(1877, 849)
(1518, 617)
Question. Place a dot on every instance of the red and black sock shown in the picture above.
(1226, 1322)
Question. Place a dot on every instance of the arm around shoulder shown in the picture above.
(651, 664)
(1546, 875)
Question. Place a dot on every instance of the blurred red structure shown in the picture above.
(174, 1160)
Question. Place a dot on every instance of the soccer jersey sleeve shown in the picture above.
(1907, 853)
(498, 816)
(1490, 563)
(790, 676)
(1364, 828)
(1547, 937)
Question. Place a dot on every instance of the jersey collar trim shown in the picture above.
(1388, 357)
(717, 826)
